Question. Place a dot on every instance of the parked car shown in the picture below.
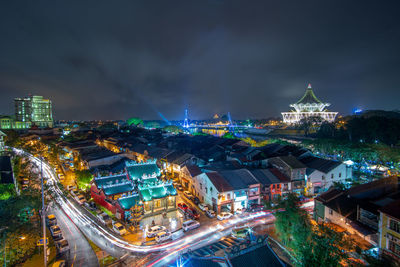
(51, 220)
(210, 213)
(104, 218)
(241, 232)
(193, 213)
(71, 187)
(119, 228)
(188, 195)
(163, 236)
(240, 210)
(189, 225)
(224, 216)
(154, 230)
(256, 207)
(55, 231)
(179, 187)
(196, 200)
(62, 246)
(182, 206)
(74, 192)
(25, 181)
(80, 199)
(60, 263)
(203, 206)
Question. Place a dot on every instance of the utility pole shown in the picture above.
(43, 216)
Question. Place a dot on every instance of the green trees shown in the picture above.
(311, 245)
(83, 178)
(18, 227)
(173, 129)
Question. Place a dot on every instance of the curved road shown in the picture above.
(117, 246)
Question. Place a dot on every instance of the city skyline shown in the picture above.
(125, 61)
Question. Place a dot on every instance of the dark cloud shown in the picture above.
(114, 60)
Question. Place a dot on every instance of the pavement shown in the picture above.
(81, 253)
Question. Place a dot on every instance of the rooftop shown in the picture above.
(309, 97)
(239, 179)
(219, 182)
(322, 165)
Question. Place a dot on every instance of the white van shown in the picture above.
(163, 236)
(189, 225)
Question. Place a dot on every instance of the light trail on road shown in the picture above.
(104, 237)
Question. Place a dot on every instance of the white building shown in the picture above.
(322, 173)
(2, 135)
(308, 106)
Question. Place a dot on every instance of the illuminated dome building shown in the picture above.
(308, 106)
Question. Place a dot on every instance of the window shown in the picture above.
(330, 212)
(395, 226)
(340, 174)
(201, 186)
(228, 196)
(323, 177)
(332, 176)
(394, 247)
(206, 190)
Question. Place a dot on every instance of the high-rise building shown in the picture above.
(35, 110)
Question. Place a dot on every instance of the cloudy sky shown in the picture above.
(118, 59)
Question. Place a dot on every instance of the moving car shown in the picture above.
(80, 199)
(182, 206)
(224, 216)
(163, 236)
(189, 225)
(51, 220)
(210, 213)
(104, 218)
(203, 206)
(154, 230)
(119, 228)
(62, 246)
(55, 230)
(188, 194)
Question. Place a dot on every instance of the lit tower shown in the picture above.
(308, 106)
(230, 123)
(186, 121)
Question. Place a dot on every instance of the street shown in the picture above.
(81, 253)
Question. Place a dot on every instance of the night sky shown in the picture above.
(252, 58)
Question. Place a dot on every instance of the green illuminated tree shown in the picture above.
(173, 129)
(83, 178)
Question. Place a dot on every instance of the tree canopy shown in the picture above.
(311, 245)
(83, 178)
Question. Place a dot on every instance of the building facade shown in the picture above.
(2, 135)
(308, 106)
(389, 230)
(35, 110)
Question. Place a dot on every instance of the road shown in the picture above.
(116, 246)
(81, 253)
